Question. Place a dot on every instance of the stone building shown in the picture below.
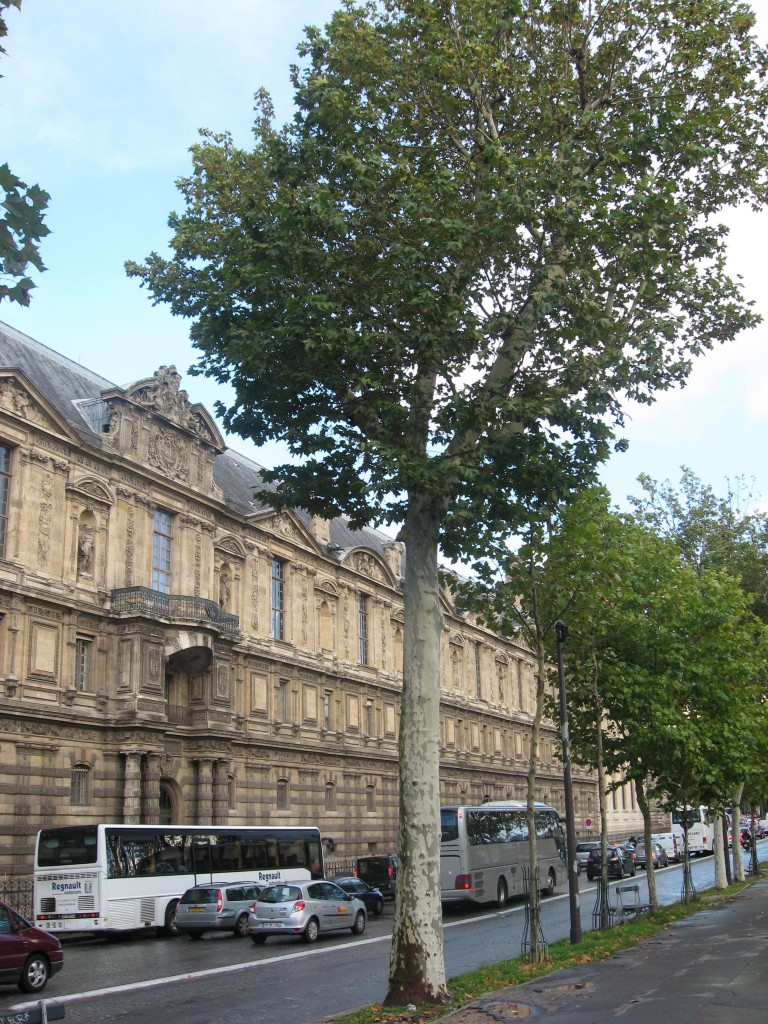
(171, 650)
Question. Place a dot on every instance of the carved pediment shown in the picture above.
(89, 490)
(20, 398)
(327, 587)
(162, 396)
(367, 563)
(232, 546)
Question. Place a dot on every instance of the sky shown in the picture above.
(100, 101)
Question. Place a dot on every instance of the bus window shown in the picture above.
(292, 854)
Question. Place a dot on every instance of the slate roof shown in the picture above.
(75, 393)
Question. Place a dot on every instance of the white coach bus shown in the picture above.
(484, 849)
(113, 878)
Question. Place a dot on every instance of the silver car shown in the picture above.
(221, 906)
(306, 909)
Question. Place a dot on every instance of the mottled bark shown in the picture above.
(417, 966)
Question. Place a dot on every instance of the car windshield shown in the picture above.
(280, 894)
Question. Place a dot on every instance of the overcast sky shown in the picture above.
(99, 103)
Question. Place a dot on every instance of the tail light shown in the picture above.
(219, 901)
(463, 882)
(389, 870)
(354, 871)
(298, 906)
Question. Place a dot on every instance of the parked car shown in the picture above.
(620, 862)
(220, 907)
(28, 955)
(673, 846)
(582, 852)
(305, 908)
(372, 898)
(658, 854)
(380, 871)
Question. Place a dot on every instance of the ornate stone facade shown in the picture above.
(172, 650)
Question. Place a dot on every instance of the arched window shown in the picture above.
(79, 785)
(232, 792)
(370, 798)
(330, 796)
(282, 794)
(167, 805)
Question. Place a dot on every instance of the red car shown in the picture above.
(28, 955)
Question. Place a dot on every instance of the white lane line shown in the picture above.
(230, 968)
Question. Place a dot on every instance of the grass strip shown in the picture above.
(595, 945)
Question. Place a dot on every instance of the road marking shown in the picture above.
(265, 962)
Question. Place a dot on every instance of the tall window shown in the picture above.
(330, 796)
(277, 622)
(78, 789)
(282, 794)
(282, 700)
(83, 648)
(362, 629)
(5, 487)
(327, 710)
(478, 671)
(370, 798)
(369, 719)
(161, 552)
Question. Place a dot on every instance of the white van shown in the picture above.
(671, 844)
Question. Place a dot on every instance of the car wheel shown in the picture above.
(169, 929)
(258, 939)
(501, 893)
(196, 934)
(241, 926)
(359, 926)
(34, 974)
(312, 930)
(378, 910)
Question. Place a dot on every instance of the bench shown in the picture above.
(625, 905)
(39, 1014)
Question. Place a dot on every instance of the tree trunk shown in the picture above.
(721, 882)
(417, 963)
(650, 871)
(536, 954)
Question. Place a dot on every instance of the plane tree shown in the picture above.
(488, 223)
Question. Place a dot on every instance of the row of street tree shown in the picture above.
(667, 653)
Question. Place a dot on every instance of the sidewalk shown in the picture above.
(711, 968)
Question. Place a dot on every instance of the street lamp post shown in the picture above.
(570, 824)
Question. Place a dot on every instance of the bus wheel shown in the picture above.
(169, 929)
(501, 893)
(549, 888)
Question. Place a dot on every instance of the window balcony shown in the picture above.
(174, 608)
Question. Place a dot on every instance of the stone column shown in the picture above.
(221, 792)
(132, 787)
(204, 815)
(150, 802)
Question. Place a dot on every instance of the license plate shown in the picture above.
(271, 924)
(196, 910)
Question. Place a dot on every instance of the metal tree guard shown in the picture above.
(532, 899)
(603, 913)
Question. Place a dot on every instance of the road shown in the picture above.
(223, 979)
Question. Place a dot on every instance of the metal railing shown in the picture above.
(17, 891)
(144, 601)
